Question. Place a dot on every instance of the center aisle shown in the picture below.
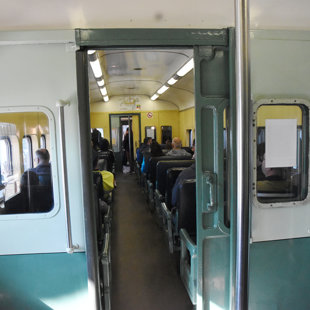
(144, 274)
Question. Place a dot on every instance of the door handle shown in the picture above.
(209, 203)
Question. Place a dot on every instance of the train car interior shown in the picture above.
(154, 155)
(148, 93)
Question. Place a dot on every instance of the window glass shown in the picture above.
(24, 187)
(189, 137)
(166, 134)
(42, 142)
(5, 159)
(101, 131)
(281, 159)
(27, 153)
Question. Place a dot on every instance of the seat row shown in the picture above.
(103, 180)
(177, 221)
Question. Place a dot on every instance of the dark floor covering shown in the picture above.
(144, 274)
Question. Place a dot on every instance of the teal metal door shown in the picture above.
(214, 91)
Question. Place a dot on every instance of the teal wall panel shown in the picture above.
(279, 275)
(43, 281)
(216, 284)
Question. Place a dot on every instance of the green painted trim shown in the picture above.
(150, 37)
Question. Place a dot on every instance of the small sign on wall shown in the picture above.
(149, 115)
(281, 143)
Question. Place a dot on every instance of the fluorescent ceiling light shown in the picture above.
(106, 98)
(162, 89)
(103, 91)
(172, 81)
(154, 97)
(95, 65)
(90, 52)
(100, 83)
(186, 68)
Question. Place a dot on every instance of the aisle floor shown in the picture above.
(144, 274)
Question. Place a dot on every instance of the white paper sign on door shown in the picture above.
(281, 143)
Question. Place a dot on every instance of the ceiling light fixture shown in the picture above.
(103, 91)
(180, 73)
(186, 68)
(154, 97)
(172, 81)
(96, 67)
(100, 83)
(162, 89)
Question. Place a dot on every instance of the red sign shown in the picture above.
(149, 115)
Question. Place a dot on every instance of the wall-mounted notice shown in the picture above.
(281, 143)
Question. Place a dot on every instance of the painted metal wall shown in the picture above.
(278, 268)
(37, 69)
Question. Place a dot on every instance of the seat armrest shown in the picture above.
(188, 242)
(159, 196)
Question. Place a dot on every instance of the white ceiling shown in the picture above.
(70, 14)
(122, 79)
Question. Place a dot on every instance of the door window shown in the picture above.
(282, 156)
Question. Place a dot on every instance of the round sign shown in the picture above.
(149, 115)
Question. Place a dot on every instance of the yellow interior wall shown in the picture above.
(187, 121)
(278, 112)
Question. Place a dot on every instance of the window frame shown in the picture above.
(54, 162)
(288, 102)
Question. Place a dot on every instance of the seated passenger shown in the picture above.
(107, 178)
(145, 147)
(155, 151)
(168, 144)
(28, 199)
(176, 148)
(104, 146)
(188, 173)
(43, 168)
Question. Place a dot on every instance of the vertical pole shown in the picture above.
(61, 104)
(130, 145)
(242, 107)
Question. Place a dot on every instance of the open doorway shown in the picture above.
(125, 139)
(131, 77)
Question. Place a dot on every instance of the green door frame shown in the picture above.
(209, 47)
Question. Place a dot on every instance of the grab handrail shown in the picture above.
(60, 104)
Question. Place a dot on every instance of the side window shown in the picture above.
(166, 134)
(189, 137)
(27, 153)
(43, 142)
(5, 159)
(25, 187)
(282, 153)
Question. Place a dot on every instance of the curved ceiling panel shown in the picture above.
(142, 72)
